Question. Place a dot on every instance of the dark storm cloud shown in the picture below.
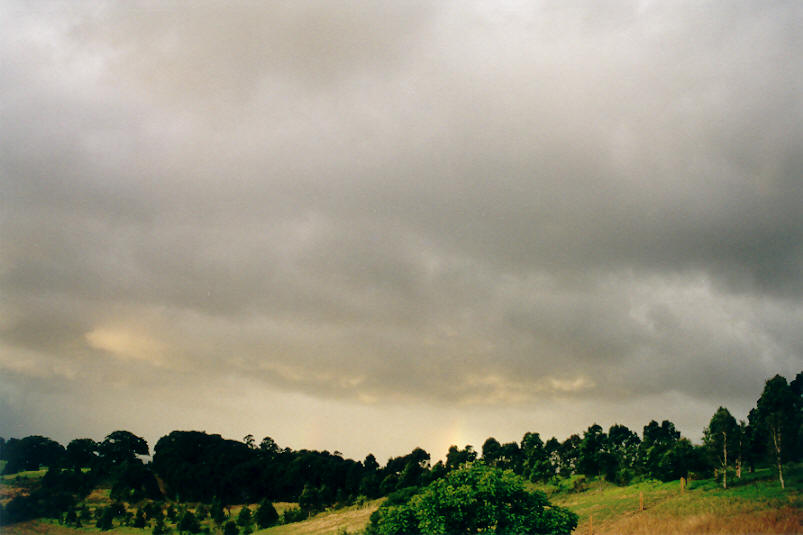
(450, 204)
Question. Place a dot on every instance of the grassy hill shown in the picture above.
(754, 504)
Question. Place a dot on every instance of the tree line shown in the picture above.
(194, 466)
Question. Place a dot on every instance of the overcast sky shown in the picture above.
(371, 226)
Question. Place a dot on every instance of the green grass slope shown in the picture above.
(754, 504)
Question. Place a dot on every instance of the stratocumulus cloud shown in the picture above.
(418, 206)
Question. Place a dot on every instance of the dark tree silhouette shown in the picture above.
(779, 415)
(82, 453)
(32, 452)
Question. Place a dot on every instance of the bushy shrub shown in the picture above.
(624, 476)
(293, 514)
(474, 499)
(266, 515)
(189, 523)
(159, 527)
(401, 496)
(244, 518)
(104, 523)
(139, 519)
(230, 528)
(579, 485)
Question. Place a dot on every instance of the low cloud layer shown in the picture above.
(485, 207)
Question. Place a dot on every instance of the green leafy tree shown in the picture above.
(797, 389)
(590, 459)
(268, 447)
(266, 515)
(537, 465)
(721, 437)
(121, 446)
(511, 457)
(139, 519)
(310, 498)
(388, 485)
(755, 443)
(244, 518)
(153, 511)
(159, 527)
(369, 485)
(455, 458)
(370, 463)
(655, 451)
(622, 449)
(71, 518)
(676, 461)
(411, 475)
(491, 451)
(569, 450)
(741, 447)
(474, 499)
(552, 449)
(82, 453)
(293, 514)
(118, 509)
(217, 513)
(134, 481)
(189, 523)
(104, 523)
(31, 452)
(779, 415)
(85, 515)
(437, 471)
(230, 528)
(416, 464)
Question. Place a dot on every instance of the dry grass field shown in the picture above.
(351, 519)
(786, 520)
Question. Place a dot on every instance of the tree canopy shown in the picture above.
(474, 499)
(779, 414)
(30, 453)
(721, 436)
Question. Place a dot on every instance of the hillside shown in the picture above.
(755, 504)
(752, 505)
